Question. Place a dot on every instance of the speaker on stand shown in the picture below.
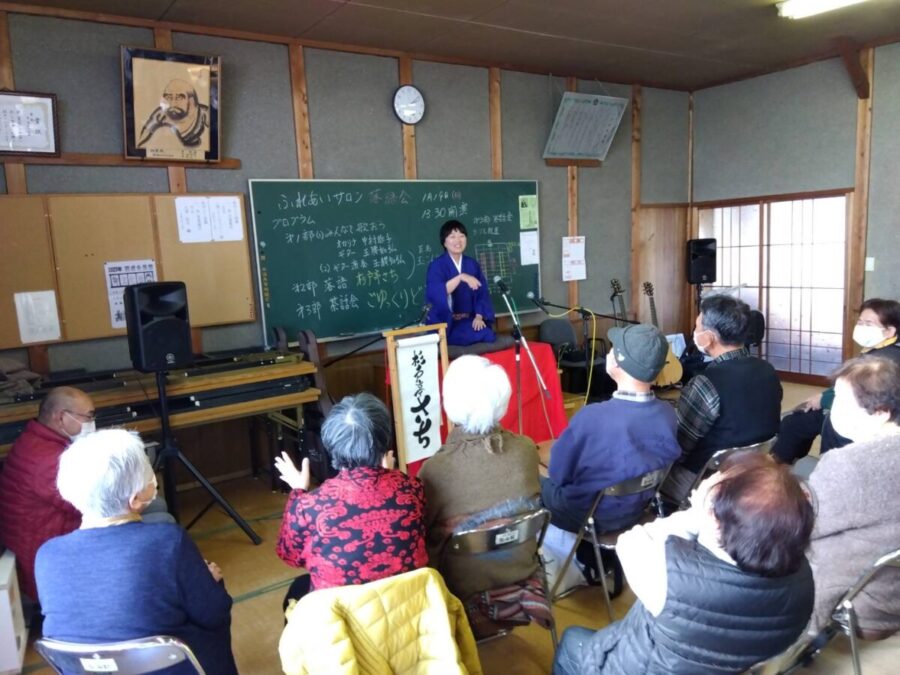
(159, 339)
(701, 264)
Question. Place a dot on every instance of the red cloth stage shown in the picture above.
(534, 424)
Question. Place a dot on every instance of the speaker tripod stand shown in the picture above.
(169, 453)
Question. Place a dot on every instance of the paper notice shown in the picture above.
(37, 316)
(119, 275)
(194, 222)
(574, 267)
(225, 218)
(528, 212)
(530, 248)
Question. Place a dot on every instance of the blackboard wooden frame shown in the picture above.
(489, 196)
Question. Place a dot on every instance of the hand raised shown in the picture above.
(287, 470)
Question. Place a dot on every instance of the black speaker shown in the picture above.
(159, 331)
(701, 261)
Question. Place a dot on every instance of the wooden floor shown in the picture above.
(257, 580)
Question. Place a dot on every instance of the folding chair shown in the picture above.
(643, 483)
(718, 458)
(129, 657)
(513, 532)
(845, 615)
(799, 656)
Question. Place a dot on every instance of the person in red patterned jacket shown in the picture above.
(31, 507)
(366, 523)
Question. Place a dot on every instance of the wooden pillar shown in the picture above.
(495, 112)
(857, 223)
(636, 252)
(301, 111)
(409, 130)
(572, 191)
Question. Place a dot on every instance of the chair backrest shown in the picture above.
(718, 458)
(890, 559)
(558, 332)
(510, 532)
(648, 481)
(130, 657)
(756, 328)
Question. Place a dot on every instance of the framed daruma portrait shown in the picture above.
(171, 105)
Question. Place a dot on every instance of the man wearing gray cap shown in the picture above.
(605, 443)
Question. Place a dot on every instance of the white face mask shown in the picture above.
(703, 350)
(86, 428)
(850, 419)
(867, 336)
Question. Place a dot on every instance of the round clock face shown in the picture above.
(409, 104)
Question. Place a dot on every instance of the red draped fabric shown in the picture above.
(534, 424)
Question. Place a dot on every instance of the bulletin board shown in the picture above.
(61, 242)
(26, 259)
(220, 290)
(87, 231)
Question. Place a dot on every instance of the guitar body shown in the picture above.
(672, 371)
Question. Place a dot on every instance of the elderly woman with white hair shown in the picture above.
(481, 473)
(117, 578)
(366, 523)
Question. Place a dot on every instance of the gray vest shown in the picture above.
(717, 619)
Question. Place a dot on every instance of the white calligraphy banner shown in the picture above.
(420, 395)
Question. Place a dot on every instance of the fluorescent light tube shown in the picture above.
(800, 9)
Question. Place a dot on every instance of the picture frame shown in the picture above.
(29, 124)
(170, 103)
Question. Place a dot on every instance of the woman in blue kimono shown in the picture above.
(457, 291)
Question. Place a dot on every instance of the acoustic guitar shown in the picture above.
(672, 371)
(618, 302)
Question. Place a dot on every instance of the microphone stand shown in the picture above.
(521, 341)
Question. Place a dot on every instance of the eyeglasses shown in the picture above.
(87, 417)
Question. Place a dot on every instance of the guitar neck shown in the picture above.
(653, 318)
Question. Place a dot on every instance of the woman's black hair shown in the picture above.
(449, 226)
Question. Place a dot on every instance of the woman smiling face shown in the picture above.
(455, 243)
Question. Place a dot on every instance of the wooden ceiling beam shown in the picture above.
(849, 51)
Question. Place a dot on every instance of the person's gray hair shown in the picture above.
(100, 472)
(357, 432)
(727, 317)
(476, 393)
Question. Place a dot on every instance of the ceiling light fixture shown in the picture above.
(800, 9)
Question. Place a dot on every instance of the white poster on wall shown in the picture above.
(37, 316)
(420, 395)
(119, 275)
(574, 265)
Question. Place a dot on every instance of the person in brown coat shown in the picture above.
(481, 473)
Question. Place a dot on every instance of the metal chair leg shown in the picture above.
(854, 641)
(543, 572)
(601, 568)
(562, 571)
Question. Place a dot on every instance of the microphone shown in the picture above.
(425, 310)
(537, 301)
(501, 284)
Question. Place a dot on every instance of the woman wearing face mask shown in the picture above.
(876, 333)
(118, 578)
(858, 501)
(457, 290)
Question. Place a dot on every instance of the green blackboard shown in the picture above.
(346, 258)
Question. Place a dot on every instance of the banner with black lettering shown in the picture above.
(418, 360)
